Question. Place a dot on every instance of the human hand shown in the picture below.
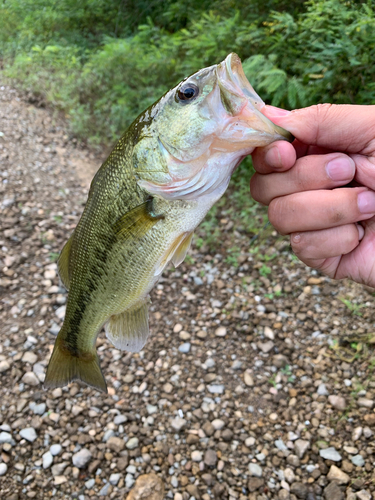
(301, 183)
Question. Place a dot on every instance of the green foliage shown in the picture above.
(103, 62)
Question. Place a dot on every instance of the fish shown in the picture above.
(161, 178)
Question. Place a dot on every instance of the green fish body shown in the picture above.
(172, 164)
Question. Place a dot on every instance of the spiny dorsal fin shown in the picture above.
(128, 330)
(63, 263)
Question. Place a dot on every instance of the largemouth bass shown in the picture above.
(164, 174)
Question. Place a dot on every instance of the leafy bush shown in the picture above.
(103, 63)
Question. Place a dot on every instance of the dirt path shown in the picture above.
(242, 391)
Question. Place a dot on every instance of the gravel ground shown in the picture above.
(257, 382)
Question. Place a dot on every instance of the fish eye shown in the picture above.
(187, 92)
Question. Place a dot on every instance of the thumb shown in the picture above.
(340, 127)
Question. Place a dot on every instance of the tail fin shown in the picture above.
(64, 367)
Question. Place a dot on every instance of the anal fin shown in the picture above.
(63, 263)
(129, 330)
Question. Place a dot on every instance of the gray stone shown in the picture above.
(82, 458)
(289, 475)
(47, 460)
(255, 470)
(365, 402)
(5, 437)
(178, 423)
(90, 483)
(55, 449)
(322, 390)
(114, 478)
(210, 458)
(37, 409)
(132, 443)
(358, 460)
(185, 347)
(266, 346)
(330, 454)
(29, 434)
(280, 445)
(116, 444)
(216, 388)
(300, 447)
(30, 357)
(299, 489)
(333, 492)
(3, 469)
(105, 490)
(58, 469)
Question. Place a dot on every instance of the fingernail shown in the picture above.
(366, 202)
(273, 112)
(361, 231)
(341, 169)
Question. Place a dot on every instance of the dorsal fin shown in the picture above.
(128, 330)
(63, 263)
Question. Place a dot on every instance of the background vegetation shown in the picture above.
(102, 62)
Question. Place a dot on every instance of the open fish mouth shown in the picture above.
(240, 99)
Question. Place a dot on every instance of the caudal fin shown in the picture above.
(64, 367)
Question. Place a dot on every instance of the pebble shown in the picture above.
(3, 469)
(266, 347)
(364, 495)
(82, 458)
(4, 366)
(185, 347)
(147, 487)
(216, 388)
(300, 447)
(30, 357)
(336, 474)
(357, 433)
(289, 475)
(210, 457)
(221, 331)
(365, 403)
(178, 423)
(114, 478)
(37, 409)
(322, 390)
(269, 333)
(357, 460)
(47, 460)
(29, 434)
(30, 378)
(218, 424)
(279, 443)
(337, 402)
(116, 444)
(248, 379)
(55, 449)
(255, 470)
(132, 443)
(330, 454)
(196, 456)
(5, 437)
(105, 490)
(90, 483)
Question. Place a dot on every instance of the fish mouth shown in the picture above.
(242, 102)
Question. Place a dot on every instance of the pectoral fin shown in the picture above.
(128, 330)
(137, 221)
(63, 263)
